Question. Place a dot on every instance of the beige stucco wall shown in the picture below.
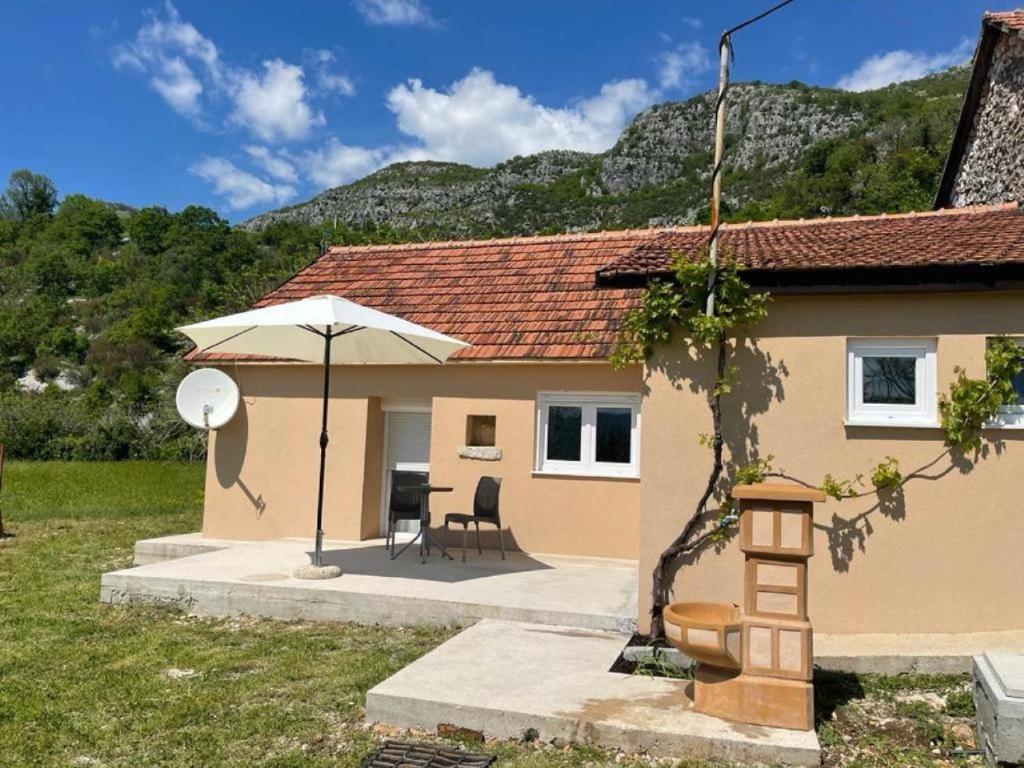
(262, 467)
(946, 557)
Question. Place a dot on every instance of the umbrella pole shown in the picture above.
(318, 553)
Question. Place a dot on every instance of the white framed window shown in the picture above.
(891, 382)
(1013, 415)
(588, 434)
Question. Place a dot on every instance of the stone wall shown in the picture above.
(992, 170)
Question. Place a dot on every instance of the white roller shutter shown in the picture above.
(408, 441)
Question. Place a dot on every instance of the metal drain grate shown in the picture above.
(399, 754)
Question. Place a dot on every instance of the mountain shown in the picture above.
(792, 150)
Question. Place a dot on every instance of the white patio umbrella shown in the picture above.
(323, 329)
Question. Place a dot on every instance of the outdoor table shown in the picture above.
(424, 490)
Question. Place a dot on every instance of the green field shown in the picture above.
(87, 684)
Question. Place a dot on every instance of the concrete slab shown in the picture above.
(999, 701)
(502, 678)
(1009, 671)
(255, 578)
(544, 589)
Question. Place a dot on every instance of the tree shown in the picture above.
(148, 227)
(28, 194)
(85, 225)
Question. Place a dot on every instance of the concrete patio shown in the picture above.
(224, 578)
(555, 625)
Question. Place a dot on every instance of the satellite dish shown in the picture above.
(207, 398)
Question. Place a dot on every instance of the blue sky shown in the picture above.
(247, 105)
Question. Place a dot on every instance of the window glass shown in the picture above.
(889, 380)
(1018, 387)
(1012, 412)
(588, 434)
(613, 439)
(565, 425)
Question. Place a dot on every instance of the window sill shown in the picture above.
(583, 475)
(893, 423)
(1006, 421)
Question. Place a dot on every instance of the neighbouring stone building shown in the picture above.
(986, 159)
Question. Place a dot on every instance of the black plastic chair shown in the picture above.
(485, 510)
(403, 505)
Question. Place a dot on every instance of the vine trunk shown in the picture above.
(687, 540)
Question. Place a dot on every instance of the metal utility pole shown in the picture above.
(725, 52)
(716, 179)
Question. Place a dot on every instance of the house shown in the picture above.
(870, 318)
(541, 330)
(986, 159)
(608, 463)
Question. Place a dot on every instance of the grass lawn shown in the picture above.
(86, 684)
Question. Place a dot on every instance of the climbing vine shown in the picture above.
(676, 307)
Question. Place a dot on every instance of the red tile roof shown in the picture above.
(514, 299)
(949, 237)
(538, 298)
(1008, 20)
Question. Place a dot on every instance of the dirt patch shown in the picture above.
(895, 721)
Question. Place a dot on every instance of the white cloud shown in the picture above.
(332, 82)
(241, 188)
(187, 70)
(399, 13)
(273, 106)
(337, 163)
(179, 87)
(693, 22)
(277, 165)
(896, 66)
(166, 49)
(605, 115)
(320, 62)
(678, 67)
(480, 121)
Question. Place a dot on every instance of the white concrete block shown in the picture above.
(999, 700)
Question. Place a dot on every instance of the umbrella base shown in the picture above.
(317, 572)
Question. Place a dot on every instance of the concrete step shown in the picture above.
(158, 550)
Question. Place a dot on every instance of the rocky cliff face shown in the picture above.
(657, 173)
(429, 195)
(770, 125)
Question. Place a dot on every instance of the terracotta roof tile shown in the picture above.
(1008, 20)
(538, 297)
(514, 298)
(959, 236)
